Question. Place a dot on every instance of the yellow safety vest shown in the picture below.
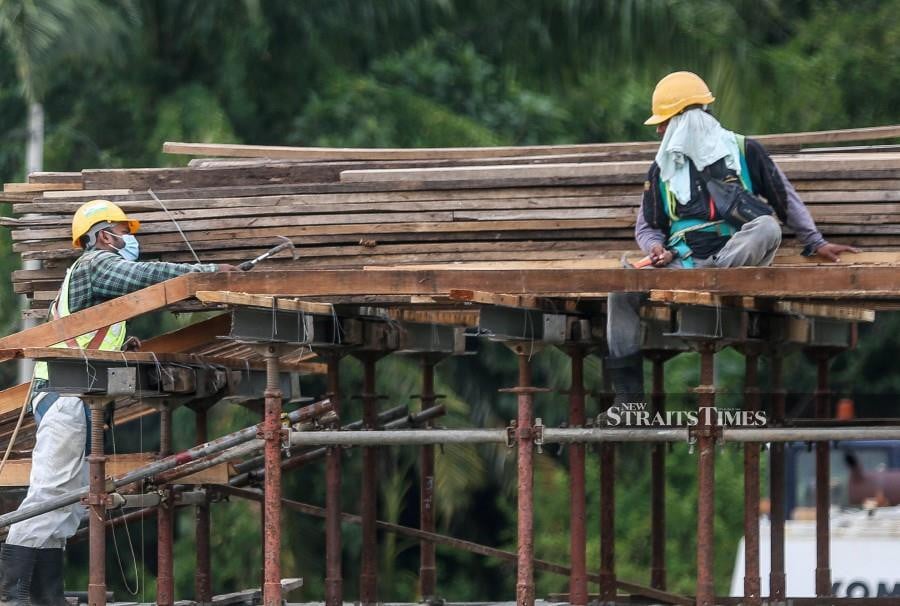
(109, 338)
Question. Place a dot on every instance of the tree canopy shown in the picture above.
(118, 78)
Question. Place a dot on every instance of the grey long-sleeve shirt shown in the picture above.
(798, 220)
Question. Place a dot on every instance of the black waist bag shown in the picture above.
(733, 203)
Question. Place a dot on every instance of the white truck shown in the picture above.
(865, 541)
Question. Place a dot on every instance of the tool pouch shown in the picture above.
(733, 203)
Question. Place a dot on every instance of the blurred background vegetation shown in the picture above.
(115, 78)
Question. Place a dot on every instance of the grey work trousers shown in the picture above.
(754, 245)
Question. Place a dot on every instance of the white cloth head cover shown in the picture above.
(700, 137)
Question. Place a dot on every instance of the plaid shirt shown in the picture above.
(99, 276)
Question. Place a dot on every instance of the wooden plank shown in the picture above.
(836, 280)
(706, 299)
(825, 310)
(440, 316)
(190, 337)
(819, 164)
(16, 472)
(168, 226)
(422, 229)
(612, 206)
(370, 154)
(85, 195)
(22, 188)
(795, 308)
(12, 398)
(54, 177)
(840, 281)
(118, 309)
(487, 298)
(241, 299)
(320, 153)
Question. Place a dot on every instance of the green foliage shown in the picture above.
(119, 78)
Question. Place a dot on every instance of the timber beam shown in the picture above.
(845, 282)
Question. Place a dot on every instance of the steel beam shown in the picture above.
(517, 324)
(416, 337)
(654, 337)
(148, 380)
(258, 325)
(693, 322)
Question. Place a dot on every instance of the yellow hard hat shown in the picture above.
(675, 92)
(95, 211)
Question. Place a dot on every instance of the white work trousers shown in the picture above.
(57, 466)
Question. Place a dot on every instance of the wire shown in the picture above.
(112, 433)
(15, 433)
(177, 226)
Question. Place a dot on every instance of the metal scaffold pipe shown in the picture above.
(231, 440)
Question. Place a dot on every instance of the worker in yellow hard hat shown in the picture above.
(31, 560)
(712, 199)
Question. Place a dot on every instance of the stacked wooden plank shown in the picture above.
(352, 208)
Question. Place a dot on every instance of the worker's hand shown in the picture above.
(227, 267)
(132, 344)
(831, 252)
(660, 256)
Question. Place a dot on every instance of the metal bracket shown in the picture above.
(107, 501)
(511, 431)
(121, 381)
(538, 433)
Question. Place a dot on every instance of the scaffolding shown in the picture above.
(279, 322)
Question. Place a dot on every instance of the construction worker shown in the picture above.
(31, 560)
(680, 225)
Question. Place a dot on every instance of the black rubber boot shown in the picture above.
(16, 566)
(627, 374)
(47, 580)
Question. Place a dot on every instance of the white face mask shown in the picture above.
(131, 249)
